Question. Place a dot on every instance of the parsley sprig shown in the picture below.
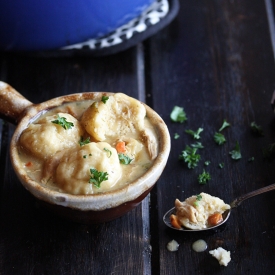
(198, 198)
(190, 157)
(269, 151)
(83, 142)
(224, 125)
(108, 151)
(97, 177)
(197, 145)
(178, 114)
(104, 99)
(219, 138)
(236, 152)
(256, 129)
(194, 134)
(204, 177)
(124, 159)
(62, 121)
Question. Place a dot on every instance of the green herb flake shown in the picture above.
(206, 163)
(176, 136)
(204, 177)
(62, 121)
(108, 151)
(97, 177)
(256, 129)
(83, 142)
(251, 159)
(219, 138)
(221, 165)
(269, 152)
(198, 198)
(197, 145)
(190, 157)
(104, 99)
(236, 153)
(124, 159)
(85, 156)
(224, 125)
(178, 114)
(195, 134)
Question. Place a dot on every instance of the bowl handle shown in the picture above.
(12, 103)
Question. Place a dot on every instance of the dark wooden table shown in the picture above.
(216, 60)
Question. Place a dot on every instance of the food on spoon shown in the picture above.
(105, 145)
(222, 255)
(46, 136)
(199, 212)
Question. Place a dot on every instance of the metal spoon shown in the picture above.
(226, 214)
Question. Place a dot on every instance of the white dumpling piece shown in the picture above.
(120, 115)
(73, 172)
(44, 138)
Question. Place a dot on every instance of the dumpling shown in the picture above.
(74, 172)
(45, 137)
(118, 116)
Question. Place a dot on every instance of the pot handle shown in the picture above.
(12, 103)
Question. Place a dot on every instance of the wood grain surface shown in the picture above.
(216, 61)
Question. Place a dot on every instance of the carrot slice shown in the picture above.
(174, 221)
(120, 147)
(215, 219)
(28, 164)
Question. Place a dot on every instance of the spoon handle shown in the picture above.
(240, 199)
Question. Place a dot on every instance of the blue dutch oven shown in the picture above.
(38, 25)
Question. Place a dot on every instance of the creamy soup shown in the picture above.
(89, 147)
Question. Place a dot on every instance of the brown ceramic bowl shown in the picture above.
(94, 208)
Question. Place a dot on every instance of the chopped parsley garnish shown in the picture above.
(82, 142)
(176, 136)
(224, 125)
(62, 121)
(178, 114)
(97, 177)
(104, 99)
(236, 153)
(85, 156)
(124, 159)
(221, 165)
(269, 151)
(197, 145)
(219, 138)
(195, 134)
(251, 159)
(190, 157)
(204, 177)
(256, 129)
(198, 198)
(206, 163)
(108, 151)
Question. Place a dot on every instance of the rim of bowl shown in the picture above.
(99, 201)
